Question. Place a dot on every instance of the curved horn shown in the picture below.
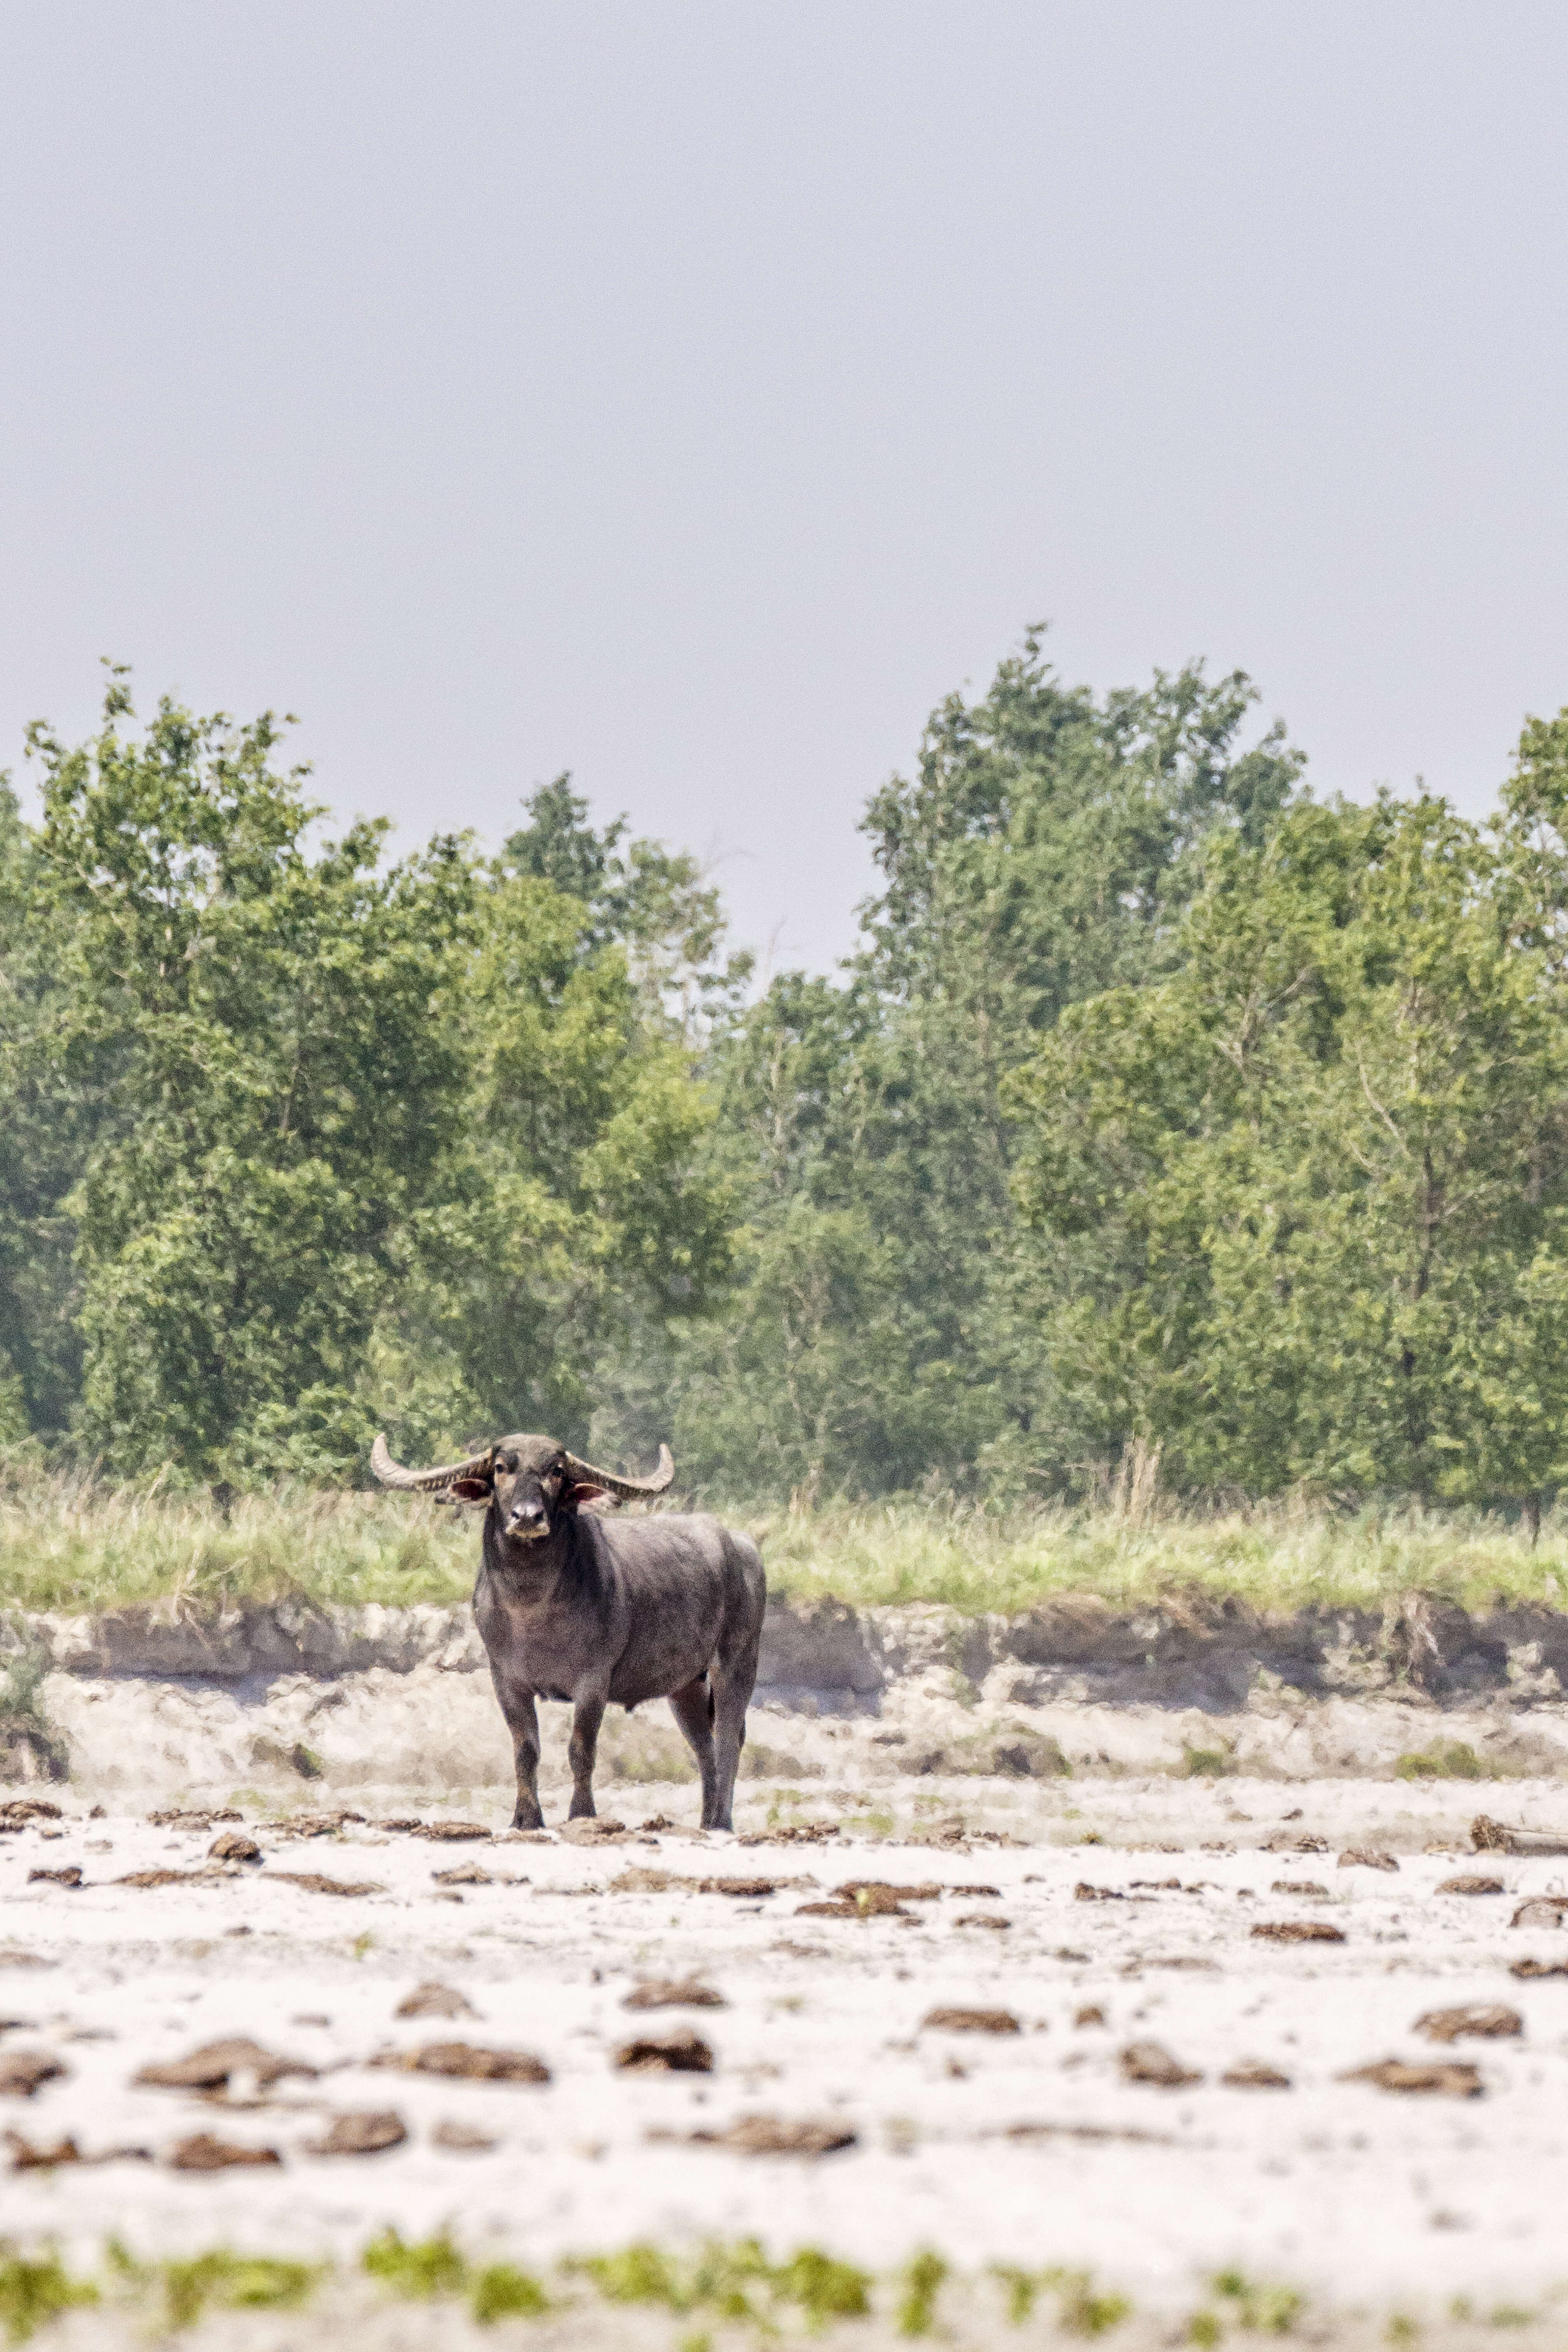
(393, 1474)
(586, 1475)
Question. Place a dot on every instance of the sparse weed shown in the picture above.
(1262, 2309)
(1451, 1760)
(225, 2281)
(1401, 2328)
(1206, 2328)
(35, 2289)
(1207, 1763)
(417, 2273)
(501, 2291)
(922, 2283)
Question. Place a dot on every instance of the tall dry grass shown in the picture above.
(75, 1544)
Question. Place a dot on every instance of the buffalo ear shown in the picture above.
(469, 1490)
(575, 1495)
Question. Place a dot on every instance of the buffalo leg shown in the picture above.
(692, 1708)
(581, 1750)
(522, 1722)
(732, 1681)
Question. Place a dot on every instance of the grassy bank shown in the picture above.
(72, 1545)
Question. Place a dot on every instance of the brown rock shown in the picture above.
(830, 1911)
(451, 1832)
(1091, 2013)
(970, 2021)
(640, 1881)
(27, 2157)
(69, 1876)
(1307, 1886)
(679, 2052)
(1252, 2074)
(463, 2139)
(1484, 2020)
(466, 1873)
(1084, 1893)
(315, 1883)
(310, 1825)
(878, 1895)
(772, 2135)
(234, 1846)
(1469, 1884)
(982, 1919)
(741, 1888)
(1297, 1931)
(435, 2000)
(978, 1894)
(1532, 1969)
(23, 2073)
(16, 1811)
(204, 2153)
(1281, 1844)
(1449, 2079)
(674, 1993)
(210, 2066)
(150, 1879)
(361, 2135)
(467, 2062)
(1366, 1857)
(1151, 2062)
(401, 1824)
(593, 1832)
(1496, 1837)
(199, 1817)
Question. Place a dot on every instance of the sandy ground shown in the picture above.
(1029, 2147)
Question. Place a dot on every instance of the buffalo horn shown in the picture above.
(585, 1474)
(393, 1474)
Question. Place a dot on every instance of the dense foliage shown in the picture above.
(1164, 1107)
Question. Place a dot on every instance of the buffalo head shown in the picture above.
(528, 1481)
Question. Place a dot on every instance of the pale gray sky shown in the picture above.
(690, 393)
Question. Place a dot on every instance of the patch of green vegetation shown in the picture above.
(876, 1821)
(922, 2283)
(1079, 2310)
(1207, 1763)
(735, 2284)
(1260, 2308)
(417, 2273)
(501, 2291)
(225, 2281)
(1206, 2328)
(36, 2289)
(1401, 2328)
(822, 2287)
(1452, 1760)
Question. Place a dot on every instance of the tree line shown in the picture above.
(1163, 1103)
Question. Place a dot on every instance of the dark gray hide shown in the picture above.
(574, 1605)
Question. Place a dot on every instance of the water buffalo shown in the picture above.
(572, 1605)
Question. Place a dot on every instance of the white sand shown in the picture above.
(1346, 2190)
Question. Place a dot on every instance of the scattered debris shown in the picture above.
(452, 1833)
(310, 1825)
(1487, 2021)
(970, 2021)
(23, 2073)
(1297, 1931)
(979, 1893)
(1541, 1911)
(234, 1846)
(1498, 1837)
(682, 2051)
(798, 1833)
(469, 1873)
(1367, 1857)
(1084, 1893)
(200, 1818)
(361, 2135)
(433, 2000)
(69, 1876)
(1151, 2062)
(1253, 2074)
(1280, 1844)
(1305, 1886)
(673, 1992)
(1532, 1969)
(982, 1919)
(150, 1879)
(17, 1811)
(1448, 2077)
(739, 1887)
(27, 2158)
(463, 2139)
(204, 2153)
(467, 2062)
(210, 2067)
(315, 1883)
(768, 2136)
(1469, 1884)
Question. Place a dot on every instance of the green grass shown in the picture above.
(74, 1545)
